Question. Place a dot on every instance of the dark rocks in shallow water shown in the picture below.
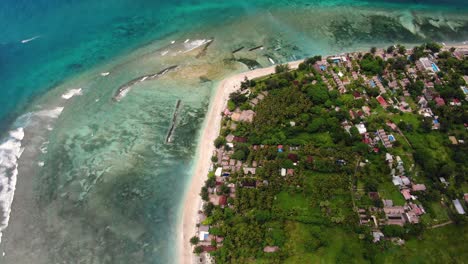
(237, 50)
(122, 91)
(256, 48)
(174, 120)
(252, 64)
(204, 79)
(378, 28)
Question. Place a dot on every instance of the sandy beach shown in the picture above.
(205, 149)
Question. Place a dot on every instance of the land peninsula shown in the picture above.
(357, 157)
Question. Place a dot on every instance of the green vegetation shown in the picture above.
(318, 175)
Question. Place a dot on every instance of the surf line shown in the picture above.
(173, 124)
(30, 39)
(124, 89)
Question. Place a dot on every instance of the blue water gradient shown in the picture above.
(75, 35)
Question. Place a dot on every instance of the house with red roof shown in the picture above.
(382, 101)
(209, 248)
(455, 102)
(222, 200)
(406, 194)
(293, 157)
(439, 101)
(357, 95)
(419, 187)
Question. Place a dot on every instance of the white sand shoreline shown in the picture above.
(205, 149)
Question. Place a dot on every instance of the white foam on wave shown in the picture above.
(10, 152)
(105, 73)
(164, 53)
(51, 113)
(71, 93)
(189, 46)
(30, 39)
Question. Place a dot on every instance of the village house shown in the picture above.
(382, 101)
(394, 215)
(270, 249)
(418, 187)
(461, 53)
(383, 136)
(243, 116)
(426, 65)
(361, 128)
(458, 207)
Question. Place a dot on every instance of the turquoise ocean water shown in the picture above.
(95, 180)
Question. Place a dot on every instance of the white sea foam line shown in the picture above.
(195, 44)
(105, 73)
(164, 53)
(30, 39)
(10, 152)
(52, 113)
(71, 93)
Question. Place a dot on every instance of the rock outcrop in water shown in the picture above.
(124, 89)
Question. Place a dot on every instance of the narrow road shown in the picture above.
(441, 225)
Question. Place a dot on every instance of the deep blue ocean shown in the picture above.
(96, 181)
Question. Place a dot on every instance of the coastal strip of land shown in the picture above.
(204, 151)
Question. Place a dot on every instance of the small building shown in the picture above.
(382, 101)
(230, 138)
(443, 181)
(406, 194)
(283, 172)
(249, 171)
(405, 180)
(209, 248)
(361, 128)
(426, 65)
(222, 200)
(439, 101)
(270, 249)
(458, 207)
(280, 148)
(293, 157)
(388, 157)
(418, 187)
(387, 203)
(357, 95)
(377, 236)
(394, 215)
(243, 116)
(204, 234)
(453, 140)
(240, 139)
(218, 172)
(455, 102)
(397, 181)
